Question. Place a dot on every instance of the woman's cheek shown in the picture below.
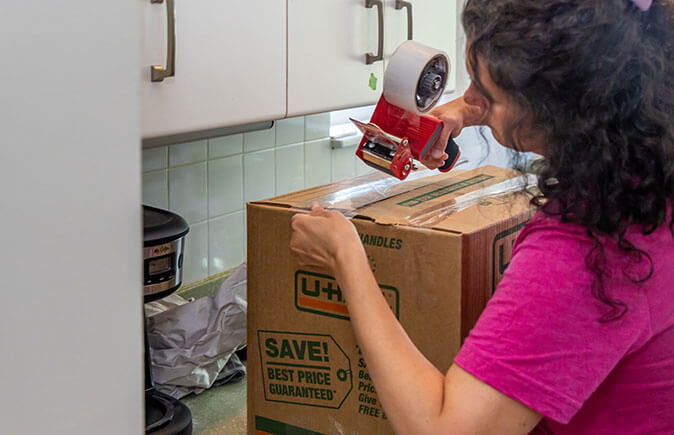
(498, 120)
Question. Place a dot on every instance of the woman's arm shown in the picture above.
(416, 396)
(410, 388)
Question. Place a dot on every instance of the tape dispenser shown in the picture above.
(398, 131)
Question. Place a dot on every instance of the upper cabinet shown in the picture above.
(328, 42)
(338, 49)
(218, 64)
(430, 22)
(211, 64)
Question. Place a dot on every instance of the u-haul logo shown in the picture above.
(501, 251)
(319, 294)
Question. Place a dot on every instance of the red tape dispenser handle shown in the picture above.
(453, 153)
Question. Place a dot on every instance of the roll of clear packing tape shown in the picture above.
(415, 77)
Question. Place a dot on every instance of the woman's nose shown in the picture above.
(472, 97)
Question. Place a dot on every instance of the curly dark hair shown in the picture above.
(597, 78)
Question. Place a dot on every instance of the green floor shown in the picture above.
(220, 410)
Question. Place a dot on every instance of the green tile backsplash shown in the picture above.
(208, 182)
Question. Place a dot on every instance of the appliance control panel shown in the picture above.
(164, 268)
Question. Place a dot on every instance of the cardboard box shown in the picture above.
(437, 245)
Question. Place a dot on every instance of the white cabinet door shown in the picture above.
(327, 44)
(434, 23)
(230, 65)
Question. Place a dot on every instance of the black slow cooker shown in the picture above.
(163, 245)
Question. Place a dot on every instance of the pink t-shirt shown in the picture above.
(539, 340)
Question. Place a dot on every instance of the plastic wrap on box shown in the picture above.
(360, 192)
(430, 216)
(365, 190)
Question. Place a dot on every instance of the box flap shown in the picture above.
(462, 201)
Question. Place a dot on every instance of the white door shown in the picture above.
(434, 23)
(327, 45)
(230, 65)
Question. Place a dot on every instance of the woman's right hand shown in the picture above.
(456, 115)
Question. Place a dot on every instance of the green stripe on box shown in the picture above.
(277, 428)
(446, 190)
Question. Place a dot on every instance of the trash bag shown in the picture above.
(192, 345)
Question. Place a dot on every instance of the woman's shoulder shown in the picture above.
(547, 236)
(552, 227)
(545, 228)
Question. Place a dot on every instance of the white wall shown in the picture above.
(70, 312)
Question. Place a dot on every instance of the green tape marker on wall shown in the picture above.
(373, 82)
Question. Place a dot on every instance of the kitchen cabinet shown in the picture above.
(230, 64)
(328, 41)
(238, 63)
(327, 45)
(434, 23)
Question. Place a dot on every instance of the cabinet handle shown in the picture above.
(158, 72)
(407, 5)
(369, 57)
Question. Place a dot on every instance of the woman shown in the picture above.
(579, 336)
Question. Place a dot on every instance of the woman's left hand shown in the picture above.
(320, 238)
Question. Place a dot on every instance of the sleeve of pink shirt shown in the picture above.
(539, 340)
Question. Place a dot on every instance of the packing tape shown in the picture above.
(404, 72)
